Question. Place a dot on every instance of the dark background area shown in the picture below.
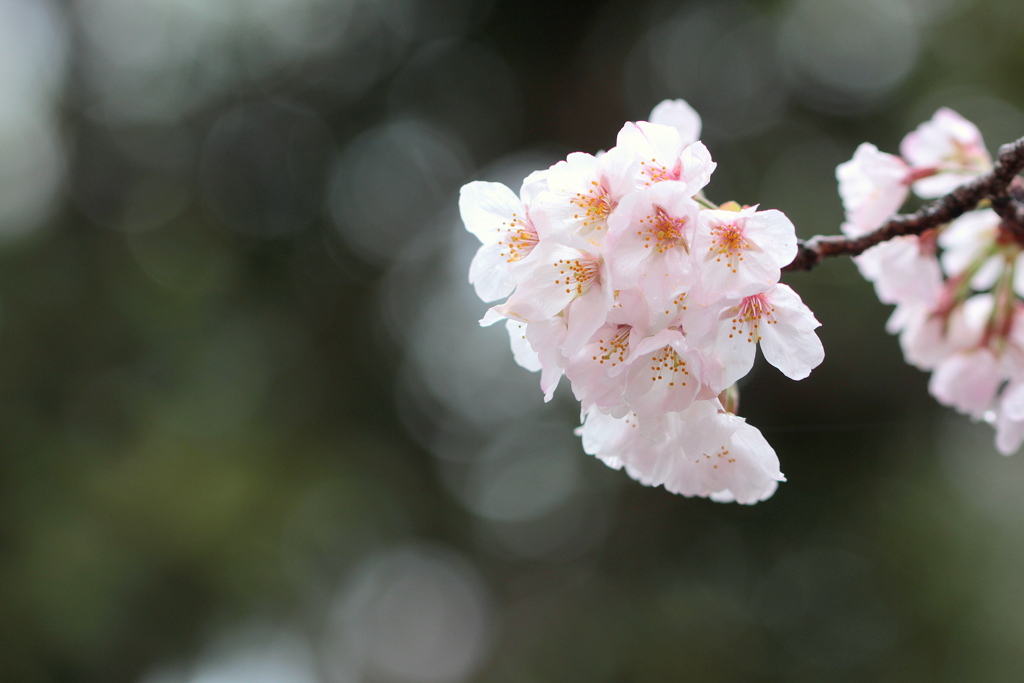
(251, 432)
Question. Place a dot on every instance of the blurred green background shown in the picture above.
(251, 432)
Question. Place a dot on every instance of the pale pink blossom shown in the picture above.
(522, 352)
(609, 438)
(597, 372)
(927, 336)
(1009, 420)
(970, 241)
(561, 280)
(582, 192)
(702, 451)
(649, 245)
(536, 347)
(679, 115)
(742, 251)
(780, 322)
(662, 155)
(732, 461)
(946, 152)
(967, 381)
(501, 221)
(873, 186)
(903, 270)
(664, 374)
(649, 304)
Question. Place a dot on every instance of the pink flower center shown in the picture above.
(669, 231)
(596, 205)
(666, 231)
(520, 239)
(751, 311)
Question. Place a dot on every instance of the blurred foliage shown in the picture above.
(242, 391)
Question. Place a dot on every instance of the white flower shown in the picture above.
(902, 270)
(501, 221)
(702, 451)
(679, 115)
(664, 156)
(582, 192)
(559, 279)
(946, 152)
(783, 325)
(650, 244)
(968, 238)
(742, 251)
(873, 186)
(649, 304)
(664, 374)
(967, 381)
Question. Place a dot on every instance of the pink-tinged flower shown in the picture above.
(618, 279)
(582, 193)
(620, 443)
(967, 381)
(597, 372)
(702, 451)
(501, 221)
(546, 338)
(1009, 420)
(650, 243)
(679, 115)
(522, 352)
(664, 374)
(742, 251)
(780, 322)
(921, 334)
(663, 156)
(928, 337)
(558, 279)
(731, 460)
(946, 152)
(536, 347)
(903, 270)
(873, 186)
(970, 242)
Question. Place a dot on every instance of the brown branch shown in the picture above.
(1007, 201)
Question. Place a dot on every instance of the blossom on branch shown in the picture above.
(958, 281)
(622, 276)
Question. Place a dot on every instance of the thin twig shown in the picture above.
(995, 186)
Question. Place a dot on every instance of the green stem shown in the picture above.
(702, 200)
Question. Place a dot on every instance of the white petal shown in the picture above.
(585, 315)
(679, 115)
(487, 208)
(489, 274)
(794, 352)
(967, 382)
(523, 353)
(774, 233)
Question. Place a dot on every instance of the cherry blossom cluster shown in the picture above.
(958, 288)
(619, 274)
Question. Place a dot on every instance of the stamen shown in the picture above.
(519, 240)
(749, 315)
(581, 273)
(668, 362)
(729, 241)
(596, 205)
